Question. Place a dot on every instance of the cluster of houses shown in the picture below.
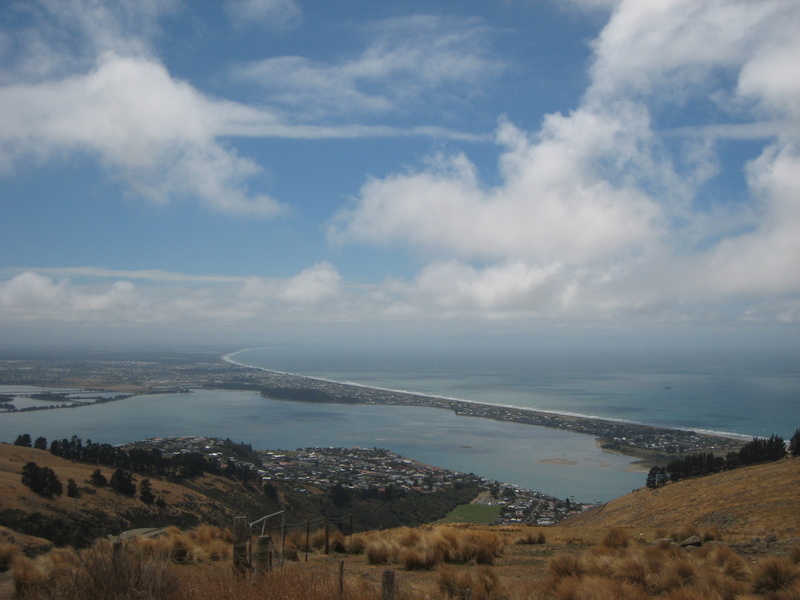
(374, 469)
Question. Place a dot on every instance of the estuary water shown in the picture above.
(555, 462)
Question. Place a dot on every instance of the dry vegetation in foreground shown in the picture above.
(439, 562)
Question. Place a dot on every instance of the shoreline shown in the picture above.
(647, 444)
(566, 414)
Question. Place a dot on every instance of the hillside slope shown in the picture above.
(758, 500)
(99, 510)
(209, 499)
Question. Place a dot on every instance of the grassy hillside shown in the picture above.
(100, 510)
(607, 553)
(758, 500)
(210, 499)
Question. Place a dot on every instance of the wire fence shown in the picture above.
(270, 535)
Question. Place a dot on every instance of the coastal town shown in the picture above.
(309, 470)
(173, 374)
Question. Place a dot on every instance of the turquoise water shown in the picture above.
(508, 452)
(747, 394)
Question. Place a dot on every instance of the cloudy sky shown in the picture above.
(246, 171)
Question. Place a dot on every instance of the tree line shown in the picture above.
(185, 465)
(705, 463)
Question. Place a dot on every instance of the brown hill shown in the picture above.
(100, 511)
(758, 500)
(210, 500)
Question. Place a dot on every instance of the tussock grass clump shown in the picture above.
(7, 554)
(562, 566)
(616, 538)
(414, 559)
(355, 544)
(297, 538)
(712, 572)
(481, 581)
(776, 574)
(28, 575)
(465, 546)
(727, 562)
(317, 539)
(379, 552)
(97, 572)
(531, 537)
(408, 537)
(336, 541)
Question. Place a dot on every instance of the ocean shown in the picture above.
(741, 393)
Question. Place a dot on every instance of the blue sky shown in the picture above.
(249, 171)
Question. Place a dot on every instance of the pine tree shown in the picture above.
(23, 440)
(146, 492)
(794, 443)
(41, 480)
(72, 489)
(122, 481)
(98, 478)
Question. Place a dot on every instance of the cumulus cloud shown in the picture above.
(173, 299)
(30, 295)
(597, 212)
(550, 208)
(156, 133)
(406, 57)
(82, 77)
(310, 287)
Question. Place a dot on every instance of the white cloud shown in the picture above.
(277, 15)
(310, 287)
(406, 58)
(594, 217)
(107, 96)
(61, 37)
(772, 76)
(155, 133)
(33, 296)
(550, 208)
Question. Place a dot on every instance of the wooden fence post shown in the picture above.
(388, 585)
(341, 579)
(240, 544)
(467, 594)
(308, 537)
(327, 537)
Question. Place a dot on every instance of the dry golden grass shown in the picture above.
(182, 565)
(101, 500)
(8, 552)
(756, 500)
